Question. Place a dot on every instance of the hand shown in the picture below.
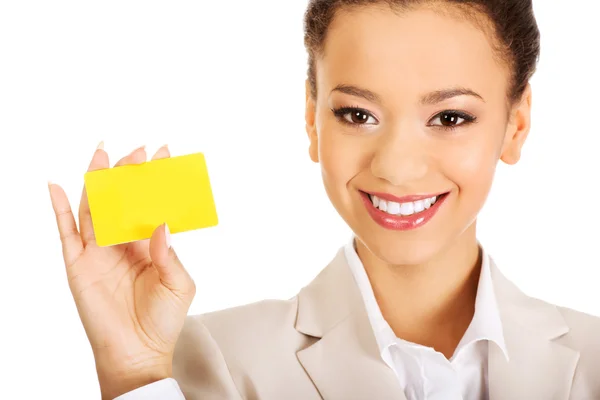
(132, 298)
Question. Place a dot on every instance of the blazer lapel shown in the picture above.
(538, 367)
(344, 362)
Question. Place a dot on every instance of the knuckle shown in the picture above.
(65, 212)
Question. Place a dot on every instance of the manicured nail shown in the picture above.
(167, 236)
(100, 146)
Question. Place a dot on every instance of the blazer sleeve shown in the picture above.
(199, 366)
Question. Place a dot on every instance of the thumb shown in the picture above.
(170, 270)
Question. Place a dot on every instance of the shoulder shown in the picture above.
(583, 336)
(255, 321)
(584, 331)
(574, 329)
(238, 327)
(236, 349)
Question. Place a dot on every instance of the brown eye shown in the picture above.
(354, 116)
(451, 119)
(358, 117)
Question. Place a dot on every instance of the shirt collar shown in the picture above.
(485, 325)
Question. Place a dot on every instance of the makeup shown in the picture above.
(390, 212)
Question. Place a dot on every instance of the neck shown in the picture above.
(430, 304)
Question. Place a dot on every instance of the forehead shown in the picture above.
(416, 51)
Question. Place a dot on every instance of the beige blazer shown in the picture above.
(320, 345)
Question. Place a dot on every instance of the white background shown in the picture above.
(227, 78)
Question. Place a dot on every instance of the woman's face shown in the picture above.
(409, 123)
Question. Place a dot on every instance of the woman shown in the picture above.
(409, 107)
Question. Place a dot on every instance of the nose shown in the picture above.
(401, 157)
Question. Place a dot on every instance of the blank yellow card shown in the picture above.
(128, 203)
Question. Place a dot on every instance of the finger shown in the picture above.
(138, 156)
(72, 245)
(170, 270)
(143, 246)
(86, 228)
(163, 152)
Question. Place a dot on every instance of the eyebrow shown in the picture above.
(429, 99)
(440, 95)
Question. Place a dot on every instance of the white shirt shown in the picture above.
(424, 373)
(166, 389)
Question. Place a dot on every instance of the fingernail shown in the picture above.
(100, 146)
(50, 183)
(139, 148)
(167, 236)
(164, 146)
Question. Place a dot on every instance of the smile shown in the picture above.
(410, 208)
(404, 213)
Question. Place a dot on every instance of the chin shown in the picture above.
(397, 250)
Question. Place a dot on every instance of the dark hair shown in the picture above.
(514, 31)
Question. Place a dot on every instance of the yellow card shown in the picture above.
(128, 203)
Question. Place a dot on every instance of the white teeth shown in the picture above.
(419, 206)
(393, 208)
(375, 201)
(405, 209)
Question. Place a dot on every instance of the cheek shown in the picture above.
(472, 165)
(342, 157)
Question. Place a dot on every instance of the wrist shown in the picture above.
(114, 382)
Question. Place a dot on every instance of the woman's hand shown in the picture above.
(132, 298)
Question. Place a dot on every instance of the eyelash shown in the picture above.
(343, 111)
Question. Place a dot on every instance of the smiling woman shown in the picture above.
(410, 105)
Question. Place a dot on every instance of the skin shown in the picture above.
(425, 280)
(133, 298)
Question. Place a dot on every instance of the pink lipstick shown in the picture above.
(402, 222)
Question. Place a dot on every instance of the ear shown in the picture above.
(311, 126)
(518, 129)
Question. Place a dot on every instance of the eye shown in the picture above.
(354, 116)
(451, 119)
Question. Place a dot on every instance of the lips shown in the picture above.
(402, 213)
